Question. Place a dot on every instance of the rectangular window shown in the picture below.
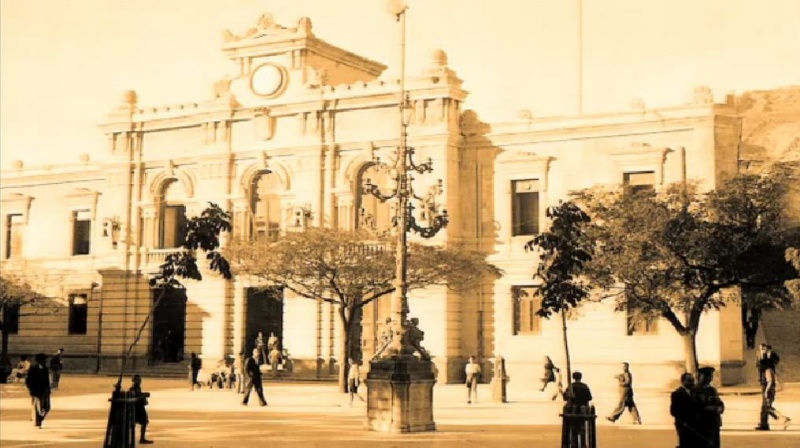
(78, 312)
(81, 232)
(14, 231)
(637, 324)
(11, 318)
(526, 304)
(640, 181)
(525, 207)
(173, 226)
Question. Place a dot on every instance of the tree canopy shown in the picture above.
(350, 270)
(674, 254)
(564, 251)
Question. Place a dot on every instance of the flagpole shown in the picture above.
(580, 57)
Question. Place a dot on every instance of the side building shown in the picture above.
(285, 143)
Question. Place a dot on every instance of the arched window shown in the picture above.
(265, 206)
(371, 213)
(172, 225)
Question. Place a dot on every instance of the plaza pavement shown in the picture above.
(315, 415)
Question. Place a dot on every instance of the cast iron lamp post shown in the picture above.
(400, 397)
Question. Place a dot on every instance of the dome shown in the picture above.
(439, 58)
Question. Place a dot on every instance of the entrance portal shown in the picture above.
(169, 326)
(265, 315)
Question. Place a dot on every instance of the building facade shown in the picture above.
(286, 142)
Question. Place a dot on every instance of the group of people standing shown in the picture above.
(697, 410)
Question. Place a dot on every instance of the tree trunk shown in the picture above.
(344, 349)
(690, 351)
(566, 345)
(4, 361)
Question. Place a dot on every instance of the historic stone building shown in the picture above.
(286, 143)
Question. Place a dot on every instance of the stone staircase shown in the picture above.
(167, 370)
(781, 330)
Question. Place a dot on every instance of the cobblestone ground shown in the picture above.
(314, 415)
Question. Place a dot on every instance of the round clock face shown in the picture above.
(267, 80)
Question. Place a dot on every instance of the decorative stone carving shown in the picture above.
(266, 26)
(703, 95)
(222, 88)
(439, 72)
(263, 124)
(470, 124)
(638, 104)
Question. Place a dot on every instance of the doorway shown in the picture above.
(265, 315)
(169, 326)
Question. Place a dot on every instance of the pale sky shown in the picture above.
(65, 63)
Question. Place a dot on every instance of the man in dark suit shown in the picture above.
(710, 409)
(578, 393)
(683, 409)
(252, 375)
(767, 359)
(38, 383)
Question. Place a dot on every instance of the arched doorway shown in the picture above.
(169, 325)
(265, 206)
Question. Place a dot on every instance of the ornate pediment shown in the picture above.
(267, 27)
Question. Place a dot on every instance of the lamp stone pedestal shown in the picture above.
(400, 395)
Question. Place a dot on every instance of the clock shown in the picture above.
(267, 80)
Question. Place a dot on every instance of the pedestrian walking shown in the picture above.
(56, 365)
(252, 374)
(38, 383)
(625, 397)
(552, 375)
(353, 381)
(766, 359)
(195, 364)
(767, 404)
(710, 409)
(683, 410)
(473, 372)
(578, 394)
(140, 408)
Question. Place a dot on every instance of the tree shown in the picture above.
(350, 270)
(18, 299)
(203, 233)
(677, 253)
(563, 252)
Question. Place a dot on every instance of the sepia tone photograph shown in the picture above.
(401, 223)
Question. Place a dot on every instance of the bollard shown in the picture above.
(578, 427)
(121, 427)
(499, 380)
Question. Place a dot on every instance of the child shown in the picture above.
(140, 411)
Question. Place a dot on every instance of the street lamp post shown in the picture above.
(400, 384)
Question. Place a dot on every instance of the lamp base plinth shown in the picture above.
(400, 395)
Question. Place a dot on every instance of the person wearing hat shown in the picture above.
(710, 409)
(38, 383)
